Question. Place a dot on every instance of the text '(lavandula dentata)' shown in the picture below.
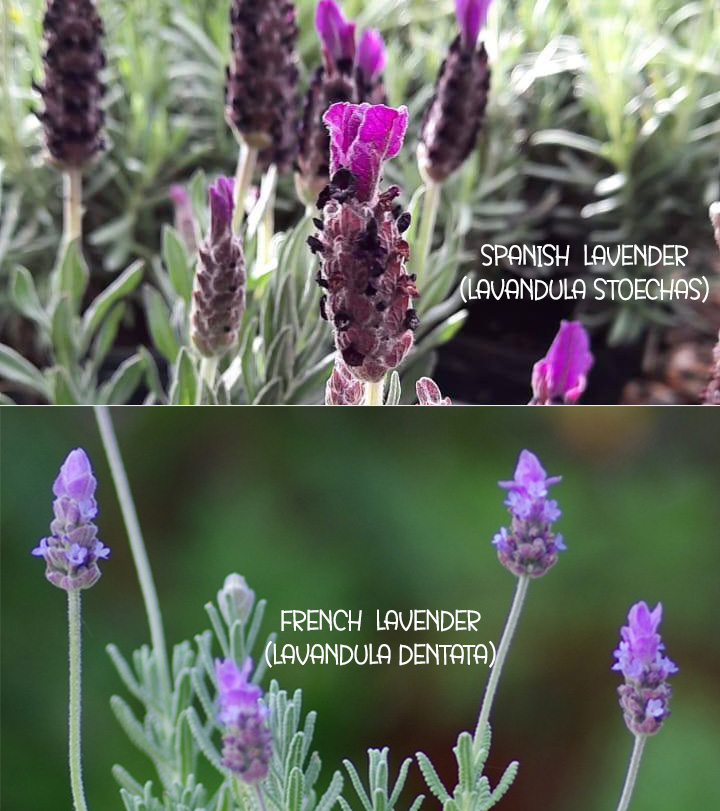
(359, 242)
(529, 546)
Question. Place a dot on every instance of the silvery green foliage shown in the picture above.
(379, 796)
(473, 792)
(182, 723)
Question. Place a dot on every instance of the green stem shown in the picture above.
(75, 708)
(247, 156)
(208, 370)
(260, 797)
(632, 772)
(137, 545)
(374, 392)
(72, 205)
(431, 202)
(502, 651)
(266, 227)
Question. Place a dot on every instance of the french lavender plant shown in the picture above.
(72, 93)
(454, 116)
(561, 376)
(359, 241)
(261, 89)
(218, 297)
(71, 553)
(645, 694)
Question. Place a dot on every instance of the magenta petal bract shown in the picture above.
(362, 137)
(336, 33)
(471, 15)
(371, 55)
(562, 373)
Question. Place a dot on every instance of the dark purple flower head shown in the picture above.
(644, 696)
(428, 393)
(371, 55)
(362, 138)
(471, 16)
(337, 35)
(247, 742)
(529, 546)
(72, 550)
(562, 373)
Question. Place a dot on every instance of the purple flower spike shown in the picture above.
(247, 742)
(529, 546)
(362, 137)
(471, 16)
(371, 56)
(644, 696)
(337, 35)
(562, 373)
(72, 549)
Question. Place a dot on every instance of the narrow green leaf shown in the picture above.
(158, 317)
(63, 387)
(126, 780)
(294, 790)
(203, 741)
(332, 793)
(184, 386)
(25, 297)
(122, 385)
(464, 756)
(63, 333)
(125, 283)
(72, 276)
(357, 785)
(105, 337)
(393, 395)
(16, 369)
(431, 777)
(177, 263)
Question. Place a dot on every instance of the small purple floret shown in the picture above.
(362, 138)
(247, 742)
(644, 696)
(562, 374)
(72, 550)
(371, 56)
(471, 16)
(429, 394)
(529, 546)
(336, 33)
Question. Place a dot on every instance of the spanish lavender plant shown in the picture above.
(360, 245)
(454, 117)
(72, 94)
(71, 553)
(645, 694)
(218, 299)
(562, 374)
(261, 88)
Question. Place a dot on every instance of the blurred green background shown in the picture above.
(388, 509)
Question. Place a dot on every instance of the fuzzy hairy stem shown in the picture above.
(502, 651)
(266, 227)
(75, 706)
(247, 158)
(421, 253)
(137, 545)
(632, 772)
(72, 205)
(208, 371)
(374, 392)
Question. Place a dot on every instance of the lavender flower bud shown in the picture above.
(453, 119)
(247, 742)
(644, 696)
(72, 91)
(529, 547)
(235, 599)
(428, 393)
(337, 36)
(261, 81)
(184, 219)
(73, 549)
(371, 59)
(218, 300)
(562, 374)
(362, 252)
(342, 387)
